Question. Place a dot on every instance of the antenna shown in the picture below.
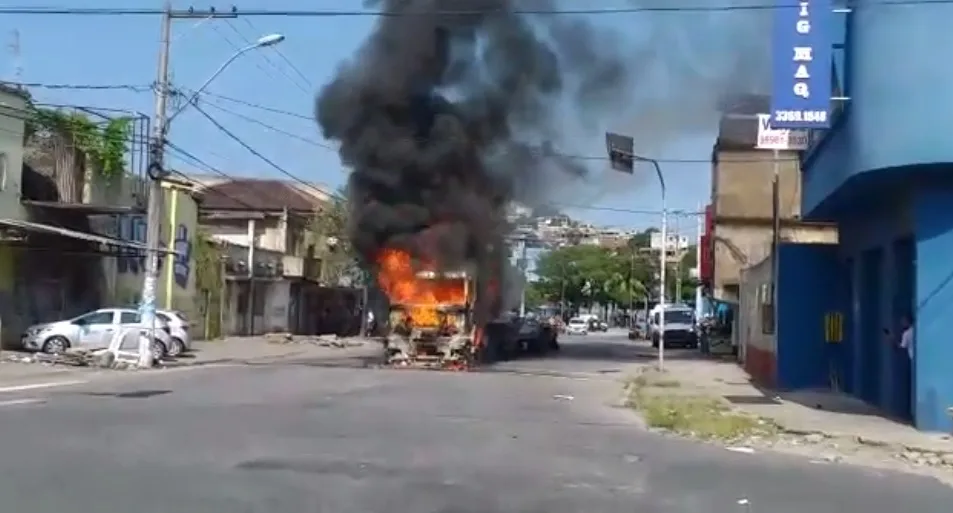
(17, 60)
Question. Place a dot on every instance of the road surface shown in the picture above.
(529, 436)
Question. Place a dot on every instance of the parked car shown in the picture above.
(577, 326)
(178, 329)
(93, 330)
(537, 337)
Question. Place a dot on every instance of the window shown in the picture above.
(3, 171)
(163, 317)
(128, 317)
(105, 317)
(766, 308)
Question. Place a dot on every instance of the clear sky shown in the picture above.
(123, 50)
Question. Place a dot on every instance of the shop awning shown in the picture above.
(74, 234)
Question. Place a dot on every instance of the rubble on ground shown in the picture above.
(74, 357)
(331, 340)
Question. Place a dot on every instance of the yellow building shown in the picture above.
(176, 287)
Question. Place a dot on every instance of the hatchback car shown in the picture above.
(577, 326)
(93, 330)
(178, 329)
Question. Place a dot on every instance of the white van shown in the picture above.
(680, 329)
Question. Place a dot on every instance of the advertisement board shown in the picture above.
(770, 138)
(802, 50)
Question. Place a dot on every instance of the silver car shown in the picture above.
(179, 330)
(93, 330)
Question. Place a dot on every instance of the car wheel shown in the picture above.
(177, 347)
(158, 350)
(55, 345)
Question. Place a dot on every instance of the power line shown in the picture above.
(259, 106)
(94, 87)
(272, 128)
(287, 61)
(116, 11)
(264, 56)
(663, 160)
(330, 192)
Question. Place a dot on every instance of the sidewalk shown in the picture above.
(807, 413)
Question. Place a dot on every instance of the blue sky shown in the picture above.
(676, 53)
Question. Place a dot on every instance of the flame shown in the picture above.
(421, 297)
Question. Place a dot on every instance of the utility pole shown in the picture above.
(677, 296)
(523, 267)
(776, 236)
(157, 172)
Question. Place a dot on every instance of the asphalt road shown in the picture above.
(528, 436)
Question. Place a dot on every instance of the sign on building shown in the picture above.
(770, 138)
(802, 51)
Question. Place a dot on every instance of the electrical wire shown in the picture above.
(329, 191)
(312, 13)
(248, 41)
(286, 60)
(272, 128)
(92, 87)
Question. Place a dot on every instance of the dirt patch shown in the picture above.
(665, 404)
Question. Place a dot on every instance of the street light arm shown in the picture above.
(268, 40)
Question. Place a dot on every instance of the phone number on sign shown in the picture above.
(800, 116)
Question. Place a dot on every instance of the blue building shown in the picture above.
(884, 173)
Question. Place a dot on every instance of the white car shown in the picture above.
(178, 329)
(577, 326)
(93, 330)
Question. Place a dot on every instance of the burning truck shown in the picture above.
(448, 113)
(437, 318)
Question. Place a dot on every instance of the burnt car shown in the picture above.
(537, 337)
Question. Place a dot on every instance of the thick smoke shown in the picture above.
(446, 118)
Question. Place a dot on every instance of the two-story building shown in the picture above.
(51, 259)
(272, 255)
(741, 215)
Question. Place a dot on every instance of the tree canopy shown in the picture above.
(584, 275)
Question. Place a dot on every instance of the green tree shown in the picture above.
(583, 275)
(328, 232)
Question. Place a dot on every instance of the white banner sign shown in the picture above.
(779, 139)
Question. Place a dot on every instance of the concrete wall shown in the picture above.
(124, 275)
(12, 114)
(933, 381)
(813, 288)
(741, 184)
(742, 210)
(756, 337)
(900, 101)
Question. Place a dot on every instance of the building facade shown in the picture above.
(882, 172)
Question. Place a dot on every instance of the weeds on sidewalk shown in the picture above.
(665, 405)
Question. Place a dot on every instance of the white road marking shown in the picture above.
(18, 402)
(35, 386)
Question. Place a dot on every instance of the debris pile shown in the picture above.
(75, 357)
(318, 340)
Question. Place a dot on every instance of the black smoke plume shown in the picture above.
(450, 111)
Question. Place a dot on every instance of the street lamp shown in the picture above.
(262, 42)
(157, 172)
(622, 155)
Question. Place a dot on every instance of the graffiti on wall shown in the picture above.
(133, 261)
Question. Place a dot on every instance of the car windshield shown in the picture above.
(679, 316)
(576, 321)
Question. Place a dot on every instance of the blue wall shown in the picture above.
(900, 101)
(933, 371)
(811, 283)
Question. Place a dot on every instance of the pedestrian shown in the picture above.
(906, 336)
